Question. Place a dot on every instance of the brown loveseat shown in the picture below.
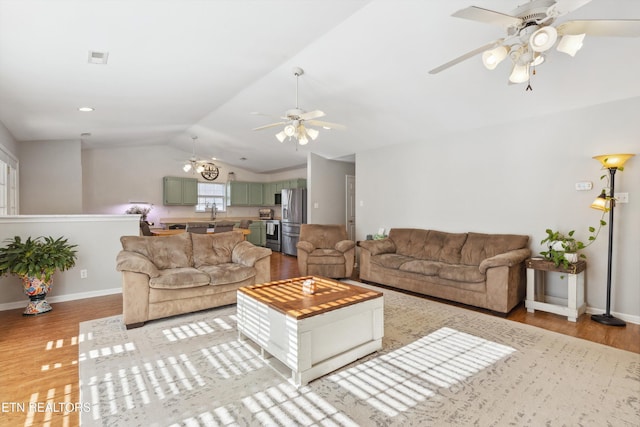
(483, 270)
(165, 276)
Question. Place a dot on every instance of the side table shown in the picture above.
(537, 299)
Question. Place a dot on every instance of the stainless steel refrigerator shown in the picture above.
(294, 213)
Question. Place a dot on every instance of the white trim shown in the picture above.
(13, 219)
(626, 317)
(62, 298)
(11, 160)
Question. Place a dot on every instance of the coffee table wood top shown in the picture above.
(286, 296)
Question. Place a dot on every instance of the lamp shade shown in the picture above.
(543, 39)
(601, 203)
(613, 161)
(491, 58)
(281, 136)
(186, 167)
(519, 74)
(313, 133)
(570, 44)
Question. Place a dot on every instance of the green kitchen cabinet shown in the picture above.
(241, 193)
(179, 191)
(258, 234)
(237, 193)
(256, 194)
(269, 193)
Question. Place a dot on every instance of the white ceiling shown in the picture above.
(179, 68)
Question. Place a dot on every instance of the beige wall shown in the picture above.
(50, 177)
(517, 178)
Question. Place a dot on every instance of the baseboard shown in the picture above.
(62, 298)
(626, 317)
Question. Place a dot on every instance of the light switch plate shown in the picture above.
(584, 185)
(622, 197)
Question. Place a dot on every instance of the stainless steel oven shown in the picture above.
(274, 235)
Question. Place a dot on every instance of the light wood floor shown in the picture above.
(39, 354)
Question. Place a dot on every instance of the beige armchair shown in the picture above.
(325, 250)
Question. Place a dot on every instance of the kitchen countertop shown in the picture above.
(184, 220)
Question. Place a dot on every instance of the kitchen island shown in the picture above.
(258, 228)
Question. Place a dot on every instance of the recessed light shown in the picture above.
(85, 109)
(243, 158)
(85, 134)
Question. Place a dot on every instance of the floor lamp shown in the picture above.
(612, 162)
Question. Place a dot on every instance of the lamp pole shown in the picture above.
(606, 318)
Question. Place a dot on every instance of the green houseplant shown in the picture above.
(35, 261)
(563, 248)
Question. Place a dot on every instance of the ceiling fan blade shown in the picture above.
(269, 126)
(602, 27)
(488, 16)
(312, 115)
(466, 56)
(325, 124)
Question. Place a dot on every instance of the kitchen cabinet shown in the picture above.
(295, 183)
(269, 193)
(258, 234)
(241, 193)
(179, 191)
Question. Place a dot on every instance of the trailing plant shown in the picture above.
(560, 244)
(39, 257)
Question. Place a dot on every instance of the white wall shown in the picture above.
(50, 177)
(517, 178)
(98, 240)
(326, 195)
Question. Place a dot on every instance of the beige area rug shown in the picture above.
(440, 365)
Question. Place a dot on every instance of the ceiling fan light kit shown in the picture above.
(295, 119)
(530, 35)
(207, 169)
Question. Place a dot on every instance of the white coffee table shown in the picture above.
(311, 334)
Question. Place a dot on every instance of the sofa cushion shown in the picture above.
(377, 247)
(165, 252)
(179, 278)
(481, 246)
(409, 241)
(461, 273)
(420, 266)
(212, 249)
(325, 256)
(443, 246)
(390, 260)
(223, 274)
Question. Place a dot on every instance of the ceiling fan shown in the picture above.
(206, 168)
(530, 35)
(294, 121)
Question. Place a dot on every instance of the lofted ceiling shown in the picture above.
(178, 68)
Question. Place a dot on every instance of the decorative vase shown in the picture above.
(572, 257)
(36, 289)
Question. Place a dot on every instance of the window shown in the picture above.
(210, 193)
(8, 184)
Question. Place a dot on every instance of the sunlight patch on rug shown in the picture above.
(399, 380)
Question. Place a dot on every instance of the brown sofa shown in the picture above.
(325, 250)
(482, 270)
(165, 276)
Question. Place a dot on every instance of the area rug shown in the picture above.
(439, 365)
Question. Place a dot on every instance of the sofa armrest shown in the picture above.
(137, 263)
(345, 245)
(305, 246)
(246, 253)
(508, 259)
(377, 247)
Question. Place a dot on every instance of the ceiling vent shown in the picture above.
(98, 57)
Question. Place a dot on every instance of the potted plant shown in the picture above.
(563, 248)
(35, 261)
(138, 210)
